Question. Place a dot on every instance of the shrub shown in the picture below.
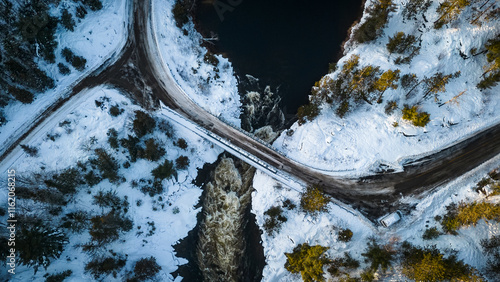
(146, 268)
(30, 150)
(181, 143)
(377, 256)
(63, 69)
(105, 266)
(345, 235)
(113, 138)
(76, 221)
(180, 11)
(274, 220)
(78, 62)
(308, 260)
(313, 200)
(307, 112)
(143, 124)
(22, 95)
(59, 277)
(81, 12)
(465, 214)
(67, 20)
(166, 170)
(376, 18)
(431, 233)
(342, 265)
(430, 265)
(417, 118)
(115, 111)
(153, 190)
(106, 228)
(153, 151)
(391, 107)
(182, 162)
(37, 244)
(289, 205)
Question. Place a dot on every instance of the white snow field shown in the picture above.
(97, 37)
(172, 212)
(366, 135)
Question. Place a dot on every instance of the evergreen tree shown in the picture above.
(106, 228)
(38, 243)
(313, 200)
(146, 268)
(67, 20)
(437, 83)
(386, 80)
(143, 123)
(22, 95)
(64, 70)
(378, 256)
(376, 18)
(417, 118)
(165, 170)
(153, 151)
(106, 164)
(493, 70)
(449, 10)
(308, 261)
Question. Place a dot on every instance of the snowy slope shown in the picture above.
(97, 37)
(366, 135)
(173, 213)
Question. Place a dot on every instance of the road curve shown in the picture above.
(141, 65)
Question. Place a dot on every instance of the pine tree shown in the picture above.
(449, 10)
(165, 170)
(493, 70)
(313, 200)
(308, 261)
(38, 244)
(386, 80)
(143, 123)
(67, 20)
(437, 83)
(153, 151)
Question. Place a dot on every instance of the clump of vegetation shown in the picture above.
(345, 235)
(153, 189)
(391, 107)
(343, 265)
(414, 8)
(313, 200)
(22, 95)
(146, 268)
(106, 228)
(449, 10)
(30, 150)
(430, 265)
(377, 16)
(143, 124)
(181, 143)
(274, 219)
(67, 20)
(417, 118)
(78, 62)
(491, 76)
(165, 170)
(404, 45)
(378, 256)
(109, 199)
(63, 69)
(115, 111)
(431, 233)
(307, 112)
(76, 221)
(182, 162)
(105, 265)
(58, 277)
(181, 12)
(465, 214)
(437, 83)
(107, 165)
(66, 182)
(131, 144)
(38, 243)
(491, 248)
(113, 138)
(308, 261)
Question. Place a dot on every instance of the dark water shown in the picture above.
(284, 43)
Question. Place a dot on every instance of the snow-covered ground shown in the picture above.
(367, 136)
(97, 37)
(173, 215)
(322, 229)
(213, 87)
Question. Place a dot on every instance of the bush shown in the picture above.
(81, 12)
(67, 20)
(115, 111)
(343, 265)
(146, 268)
(377, 256)
(417, 118)
(181, 12)
(59, 277)
(105, 266)
(182, 162)
(430, 265)
(153, 190)
(345, 235)
(30, 151)
(376, 19)
(106, 228)
(181, 143)
(313, 200)
(143, 124)
(63, 69)
(308, 260)
(153, 151)
(465, 214)
(78, 62)
(274, 220)
(431, 233)
(37, 244)
(22, 95)
(166, 170)
(76, 221)
(391, 107)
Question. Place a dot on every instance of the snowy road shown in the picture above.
(140, 64)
